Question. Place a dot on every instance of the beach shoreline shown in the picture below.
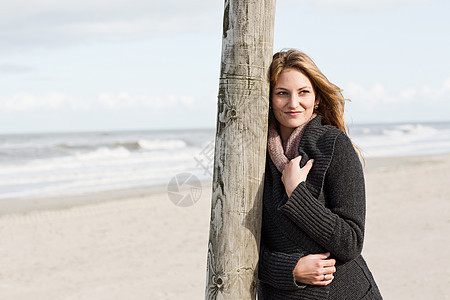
(20, 205)
(137, 244)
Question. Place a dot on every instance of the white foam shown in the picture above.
(410, 131)
(161, 144)
(406, 139)
(104, 162)
(102, 169)
(102, 153)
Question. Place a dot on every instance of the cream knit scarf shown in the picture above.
(281, 153)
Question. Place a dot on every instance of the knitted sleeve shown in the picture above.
(338, 226)
(277, 269)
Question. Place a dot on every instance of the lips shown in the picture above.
(293, 113)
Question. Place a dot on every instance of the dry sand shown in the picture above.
(137, 244)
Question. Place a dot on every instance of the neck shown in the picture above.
(285, 133)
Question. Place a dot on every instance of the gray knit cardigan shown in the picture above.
(324, 214)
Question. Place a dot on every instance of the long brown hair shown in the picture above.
(331, 100)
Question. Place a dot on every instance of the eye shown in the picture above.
(281, 93)
(304, 92)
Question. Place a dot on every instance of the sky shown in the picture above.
(95, 65)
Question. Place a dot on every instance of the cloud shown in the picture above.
(437, 94)
(60, 101)
(125, 100)
(117, 30)
(356, 5)
(15, 68)
(44, 23)
(38, 11)
(26, 24)
(49, 101)
(377, 94)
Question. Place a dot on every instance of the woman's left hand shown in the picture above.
(292, 174)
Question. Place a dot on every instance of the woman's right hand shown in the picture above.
(311, 269)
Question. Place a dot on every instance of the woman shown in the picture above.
(314, 196)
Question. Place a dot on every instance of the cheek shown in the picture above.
(276, 113)
(277, 106)
(310, 103)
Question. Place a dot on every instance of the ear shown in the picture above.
(317, 100)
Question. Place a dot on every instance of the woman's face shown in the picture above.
(293, 101)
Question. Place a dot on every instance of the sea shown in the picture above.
(59, 164)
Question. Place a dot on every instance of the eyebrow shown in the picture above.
(302, 88)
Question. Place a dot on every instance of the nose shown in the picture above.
(293, 101)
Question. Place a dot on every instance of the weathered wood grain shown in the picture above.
(240, 150)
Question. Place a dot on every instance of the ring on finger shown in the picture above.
(324, 277)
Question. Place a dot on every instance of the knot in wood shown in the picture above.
(233, 113)
(219, 282)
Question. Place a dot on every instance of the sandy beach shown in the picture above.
(137, 244)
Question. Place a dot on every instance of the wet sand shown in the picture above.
(136, 244)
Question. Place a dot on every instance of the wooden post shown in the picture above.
(240, 150)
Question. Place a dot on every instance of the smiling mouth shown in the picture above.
(293, 113)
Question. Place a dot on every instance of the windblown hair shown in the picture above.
(331, 100)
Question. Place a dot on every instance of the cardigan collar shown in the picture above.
(317, 142)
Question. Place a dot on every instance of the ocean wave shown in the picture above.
(72, 146)
(99, 158)
(409, 130)
(95, 171)
(144, 144)
(406, 149)
(60, 182)
(161, 144)
(70, 164)
(404, 139)
(103, 153)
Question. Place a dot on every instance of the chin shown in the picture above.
(295, 124)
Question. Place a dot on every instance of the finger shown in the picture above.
(327, 282)
(296, 160)
(322, 256)
(329, 279)
(328, 262)
(308, 165)
(329, 270)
